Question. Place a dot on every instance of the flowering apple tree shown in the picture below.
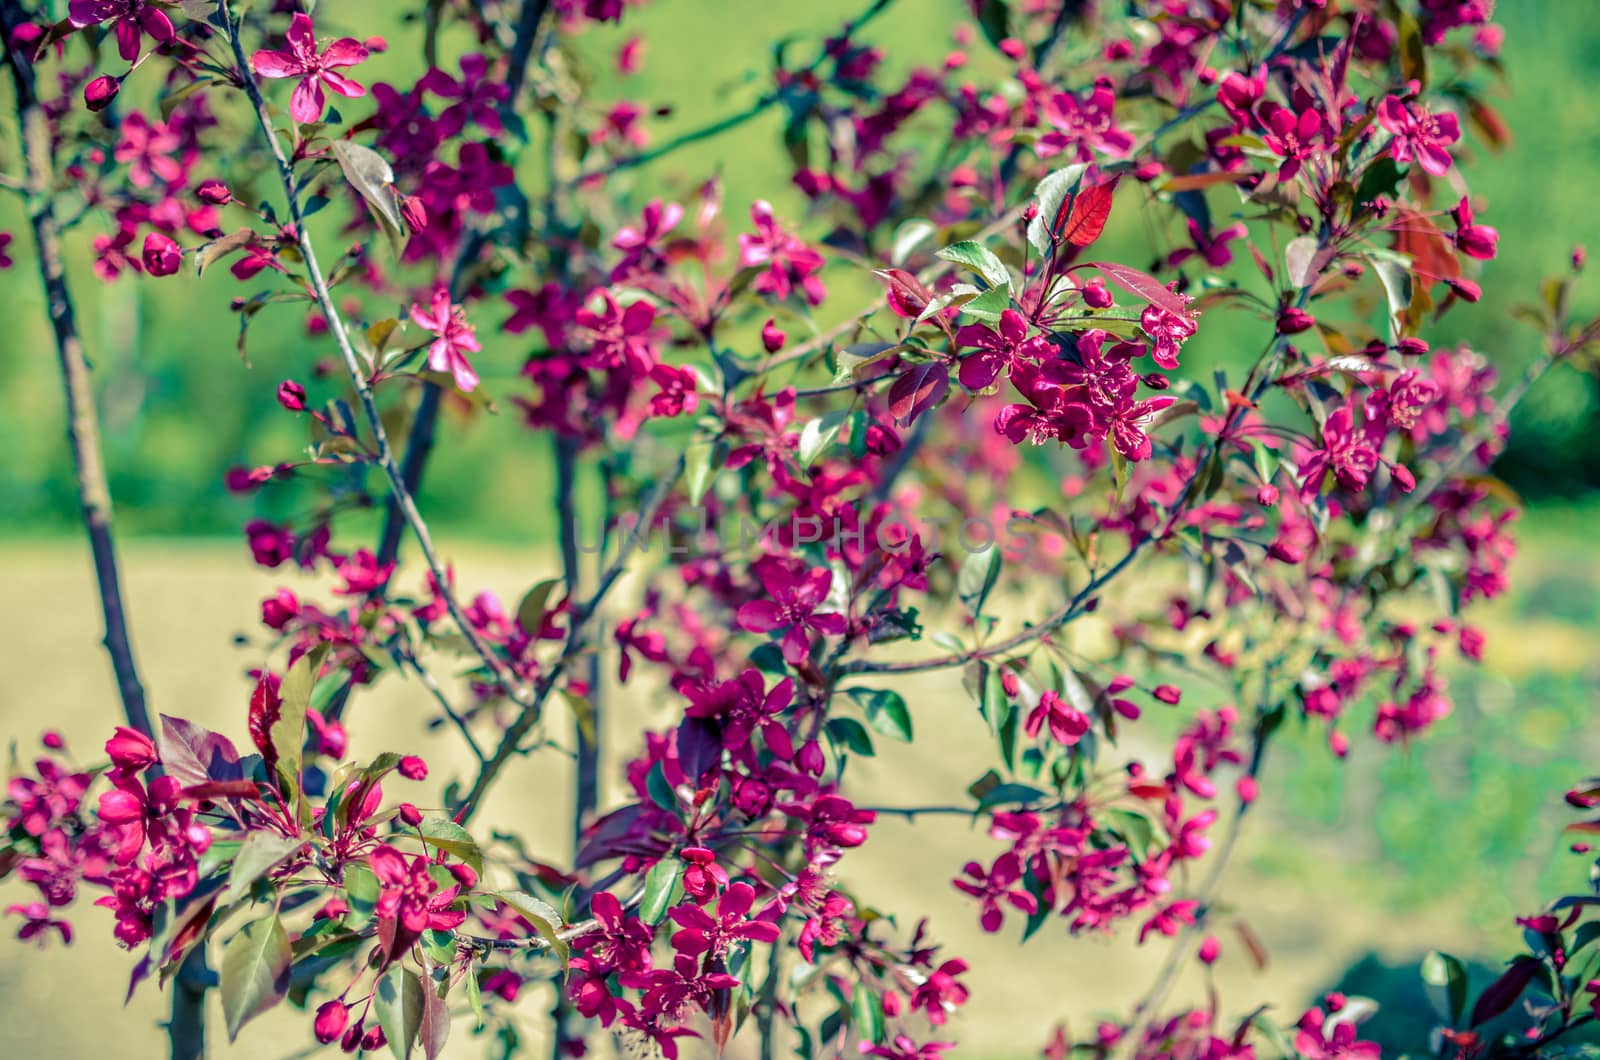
(918, 420)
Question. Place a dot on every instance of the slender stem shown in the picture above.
(358, 378)
(1145, 1010)
(586, 786)
(580, 620)
(421, 437)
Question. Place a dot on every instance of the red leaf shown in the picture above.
(1145, 286)
(1433, 257)
(1504, 991)
(906, 294)
(918, 390)
(223, 789)
(265, 706)
(1082, 217)
(193, 754)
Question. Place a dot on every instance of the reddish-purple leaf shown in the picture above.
(918, 390)
(1504, 991)
(1082, 218)
(223, 789)
(192, 754)
(265, 707)
(1144, 285)
(906, 295)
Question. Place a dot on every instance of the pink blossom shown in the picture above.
(314, 69)
(132, 19)
(455, 337)
(1419, 134)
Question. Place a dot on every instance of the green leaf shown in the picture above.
(1051, 192)
(1441, 969)
(988, 305)
(400, 1003)
(819, 433)
(535, 604)
(867, 1014)
(697, 469)
(475, 996)
(255, 971)
(543, 916)
(1142, 834)
(288, 734)
(260, 853)
(885, 710)
(1396, 280)
(908, 237)
(981, 260)
(660, 887)
(660, 789)
(852, 734)
(979, 572)
(373, 178)
(1010, 794)
(444, 834)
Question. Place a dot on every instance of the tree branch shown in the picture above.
(83, 419)
(385, 453)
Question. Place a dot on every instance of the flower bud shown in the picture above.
(374, 1040)
(410, 814)
(351, 1040)
(772, 339)
(1013, 49)
(292, 395)
(1411, 347)
(1267, 496)
(1155, 381)
(464, 876)
(1168, 694)
(1293, 321)
(332, 1019)
(1469, 291)
(1096, 295)
(413, 768)
(130, 750)
(811, 759)
(415, 213)
(1210, 949)
(1247, 789)
(215, 192)
(161, 256)
(98, 94)
(53, 740)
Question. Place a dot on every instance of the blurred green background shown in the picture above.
(1384, 855)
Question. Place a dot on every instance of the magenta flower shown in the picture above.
(998, 349)
(1293, 137)
(314, 69)
(796, 594)
(1212, 248)
(1002, 883)
(1474, 240)
(5, 259)
(1067, 724)
(448, 322)
(1350, 454)
(904, 1047)
(788, 262)
(132, 19)
(1419, 134)
(700, 932)
(411, 897)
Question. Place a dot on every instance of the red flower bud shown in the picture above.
(415, 213)
(1096, 295)
(772, 338)
(53, 740)
(410, 814)
(215, 192)
(1155, 381)
(130, 750)
(1469, 291)
(1267, 496)
(1411, 347)
(1293, 321)
(1169, 694)
(1247, 789)
(413, 768)
(374, 1040)
(332, 1019)
(98, 94)
(464, 876)
(1012, 48)
(292, 395)
(161, 256)
(1210, 949)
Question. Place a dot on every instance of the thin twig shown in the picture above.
(358, 379)
(579, 620)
